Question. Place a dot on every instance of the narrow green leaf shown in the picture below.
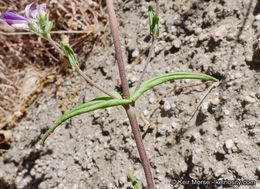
(70, 55)
(153, 22)
(97, 103)
(156, 25)
(49, 26)
(150, 15)
(146, 85)
(134, 182)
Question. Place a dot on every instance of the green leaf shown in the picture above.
(150, 15)
(153, 22)
(106, 101)
(34, 27)
(70, 55)
(146, 85)
(156, 25)
(49, 26)
(134, 182)
(97, 103)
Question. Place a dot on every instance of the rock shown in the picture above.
(228, 145)
(220, 33)
(219, 171)
(145, 112)
(230, 37)
(258, 170)
(173, 29)
(215, 101)
(198, 31)
(226, 111)
(257, 17)
(167, 106)
(135, 53)
(177, 43)
(203, 37)
(249, 100)
(151, 100)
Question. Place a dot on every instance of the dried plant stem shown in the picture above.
(130, 110)
(147, 119)
(52, 32)
(92, 83)
(201, 100)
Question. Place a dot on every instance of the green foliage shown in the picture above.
(134, 182)
(106, 101)
(42, 26)
(146, 85)
(97, 103)
(153, 22)
(70, 55)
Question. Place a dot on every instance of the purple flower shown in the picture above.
(14, 19)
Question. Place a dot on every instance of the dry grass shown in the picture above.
(28, 62)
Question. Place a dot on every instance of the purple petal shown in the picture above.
(34, 13)
(42, 7)
(13, 18)
(27, 10)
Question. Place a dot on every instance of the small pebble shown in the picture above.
(203, 37)
(220, 32)
(198, 31)
(169, 140)
(258, 169)
(145, 112)
(151, 100)
(173, 29)
(96, 115)
(229, 144)
(215, 101)
(167, 106)
(238, 75)
(190, 28)
(257, 17)
(135, 53)
(60, 173)
(177, 43)
(230, 37)
(219, 171)
(226, 111)
(249, 100)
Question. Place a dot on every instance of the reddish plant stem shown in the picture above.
(130, 110)
(119, 56)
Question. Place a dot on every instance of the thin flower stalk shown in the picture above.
(87, 79)
(154, 40)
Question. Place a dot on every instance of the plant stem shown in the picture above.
(116, 41)
(92, 83)
(146, 63)
(154, 39)
(130, 110)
